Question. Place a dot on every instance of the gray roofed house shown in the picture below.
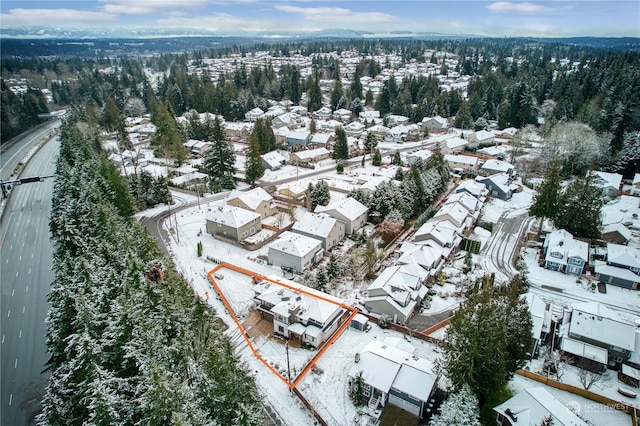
(257, 200)
(349, 210)
(294, 251)
(396, 292)
(273, 160)
(532, 406)
(323, 227)
(393, 374)
(499, 185)
(233, 222)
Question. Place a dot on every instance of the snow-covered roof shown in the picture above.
(464, 199)
(532, 406)
(623, 255)
(614, 271)
(425, 255)
(562, 247)
(455, 142)
(295, 244)
(619, 228)
(587, 321)
(537, 309)
(454, 210)
(182, 179)
(461, 159)
(442, 230)
(497, 165)
(423, 154)
(321, 138)
(608, 180)
(312, 304)
(234, 217)
(584, 350)
(443, 121)
(483, 135)
(319, 224)
(310, 154)
(348, 207)
(273, 158)
(500, 180)
(296, 187)
(252, 198)
(636, 179)
(385, 366)
(473, 187)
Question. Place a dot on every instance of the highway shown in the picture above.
(13, 151)
(25, 277)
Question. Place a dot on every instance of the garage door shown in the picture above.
(405, 405)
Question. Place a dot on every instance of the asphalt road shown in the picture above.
(13, 151)
(25, 276)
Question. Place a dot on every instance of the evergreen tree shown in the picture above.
(314, 95)
(459, 409)
(396, 159)
(313, 126)
(319, 194)
(167, 139)
(547, 199)
(463, 118)
(219, 160)
(370, 142)
(377, 158)
(340, 147)
(332, 267)
(336, 95)
(580, 208)
(254, 169)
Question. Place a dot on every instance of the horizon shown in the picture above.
(477, 18)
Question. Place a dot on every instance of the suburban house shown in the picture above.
(300, 110)
(434, 124)
(369, 116)
(429, 256)
(380, 131)
(393, 120)
(289, 120)
(453, 145)
(499, 185)
(294, 251)
(473, 187)
(257, 200)
(508, 133)
(461, 162)
(298, 312)
(608, 182)
(422, 155)
(616, 233)
(322, 227)
(596, 324)
(396, 293)
(342, 114)
(254, 114)
(323, 113)
(237, 130)
(467, 201)
(443, 232)
(329, 126)
(622, 267)
(197, 148)
(482, 137)
(456, 214)
(273, 160)
(234, 223)
(532, 406)
(565, 254)
(297, 139)
(321, 140)
(393, 374)
(540, 319)
(493, 166)
(296, 190)
(355, 128)
(348, 210)
(309, 155)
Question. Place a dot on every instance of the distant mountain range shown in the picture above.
(41, 41)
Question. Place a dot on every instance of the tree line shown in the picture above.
(127, 346)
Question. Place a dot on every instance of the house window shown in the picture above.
(244, 234)
(367, 390)
(280, 329)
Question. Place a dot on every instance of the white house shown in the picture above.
(608, 182)
(453, 145)
(320, 226)
(257, 200)
(461, 162)
(456, 214)
(443, 232)
(355, 128)
(342, 114)
(298, 312)
(532, 406)
(564, 253)
(429, 256)
(396, 293)
(475, 188)
(294, 251)
(423, 154)
(493, 166)
(254, 114)
(482, 137)
(393, 374)
(348, 210)
(466, 200)
(434, 124)
(393, 120)
(323, 113)
(273, 160)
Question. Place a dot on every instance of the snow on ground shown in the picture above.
(564, 290)
(517, 205)
(327, 387)
(590, 411)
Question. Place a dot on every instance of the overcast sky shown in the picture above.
(477, 17)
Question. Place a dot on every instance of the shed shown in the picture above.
(360, 322)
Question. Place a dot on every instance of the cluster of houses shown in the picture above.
(246, 213)
(399, 290)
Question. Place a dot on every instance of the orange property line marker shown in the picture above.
(325, 346)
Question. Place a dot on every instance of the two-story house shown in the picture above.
(298, 312)
(234, 223)
(564, 253)
(257, 200)
(396, 293)
(320, 226)
(622, 267)
(350, 211)
(294, 251)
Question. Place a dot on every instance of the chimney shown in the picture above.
(357, 357)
